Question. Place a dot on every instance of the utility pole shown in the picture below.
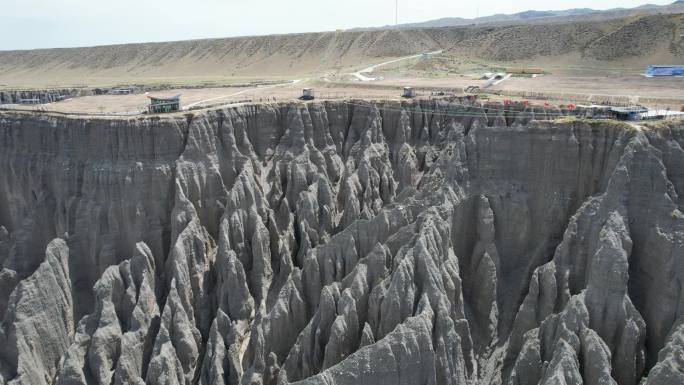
(396, 12)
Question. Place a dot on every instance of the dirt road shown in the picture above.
(205, 101)
(360, 74)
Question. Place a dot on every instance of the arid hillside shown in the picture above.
(634, 40)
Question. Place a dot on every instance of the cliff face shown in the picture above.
(43, 96)
(339, 243)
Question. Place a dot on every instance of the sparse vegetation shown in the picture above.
(467, 49)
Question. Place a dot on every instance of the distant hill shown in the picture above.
(633, 41)
(532, 16)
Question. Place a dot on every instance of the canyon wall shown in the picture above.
(42, 96)
(341, 243)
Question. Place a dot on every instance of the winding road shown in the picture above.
(293, 82)
(360, 74)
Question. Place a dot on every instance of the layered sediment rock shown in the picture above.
(40, 96)
(333, 243)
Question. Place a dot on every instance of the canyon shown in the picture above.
(367, 242)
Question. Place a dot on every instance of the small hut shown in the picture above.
(121, 91)
(409, 92)
(162, 105)
(307, 94)
(628, 113)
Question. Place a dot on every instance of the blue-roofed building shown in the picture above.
(665, 70)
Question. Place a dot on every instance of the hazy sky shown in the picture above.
(28, 24)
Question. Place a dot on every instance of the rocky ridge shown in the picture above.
(436, 242)
(42, 96)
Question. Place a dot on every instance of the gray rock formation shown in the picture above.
(331, 243)
(42, 96)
